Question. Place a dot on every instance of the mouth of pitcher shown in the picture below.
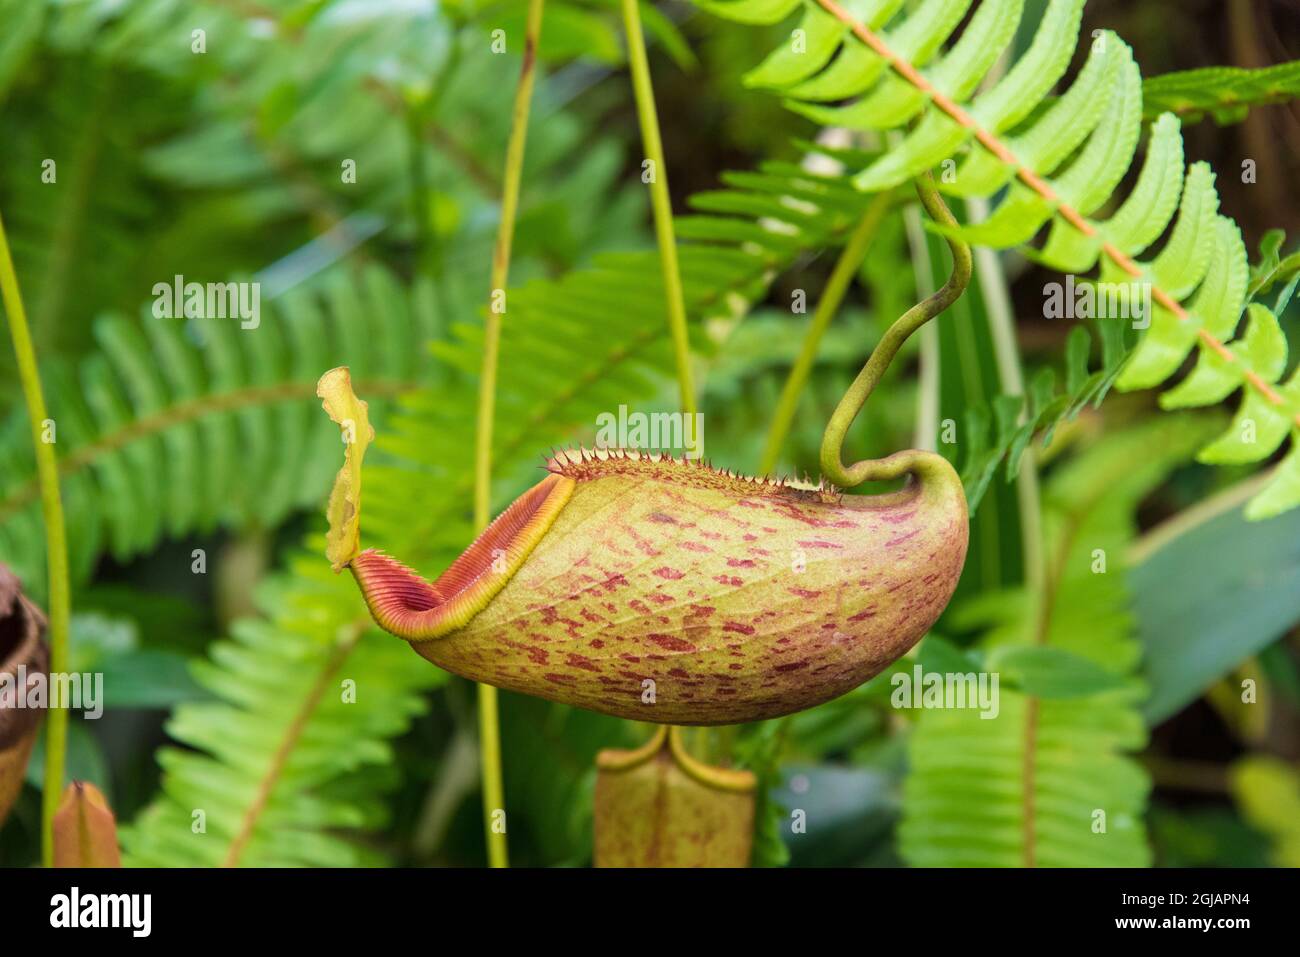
(418, 610)
(22, 652)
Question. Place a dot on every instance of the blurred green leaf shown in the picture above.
(569, 32)
(23, 20)
(938, 654)
(1051, 672)
(1210, 590)
(758, 749)
(1268, 792)
(1205, 837)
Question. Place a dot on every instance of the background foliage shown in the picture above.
(1123, 689)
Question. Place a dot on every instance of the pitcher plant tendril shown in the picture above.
(846, 267)
(912, 461)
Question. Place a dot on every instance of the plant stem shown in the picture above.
(56, 546)
(837, 285)
(882, 355)
(489, 724)
(661, 206)
(660, 202)
(997, 307)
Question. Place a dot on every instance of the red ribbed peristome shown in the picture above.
(412, 608)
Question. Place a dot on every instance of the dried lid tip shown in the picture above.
(343, 540)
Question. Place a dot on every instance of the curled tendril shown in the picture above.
(910, 461)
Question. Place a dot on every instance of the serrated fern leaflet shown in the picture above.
(1055, 165)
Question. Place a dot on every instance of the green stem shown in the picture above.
(489, 724)
(56, 546)
(997, 307)
(846, 267)
(661, 205)
(660, 202)
(850, 405)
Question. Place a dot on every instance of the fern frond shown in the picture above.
(767, 217)
(290, 754)
(1227, 93)
(177, 426)
(73, 192)
(1021, 790)
(1057, 164)
(1274, 268)
(1002, 431)
(1048, 781)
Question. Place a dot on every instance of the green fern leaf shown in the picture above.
(160, 435)
(811, 46)
(1004, 431)
(1048, 780)
(1057, 163)
(756, 12)
(1142, 217)
(286, 754)
(1227, 93)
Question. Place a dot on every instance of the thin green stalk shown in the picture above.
(489, 724)
(833, 467)
(846, 267)
(56, 546)
(660, 202)
(997, 306)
